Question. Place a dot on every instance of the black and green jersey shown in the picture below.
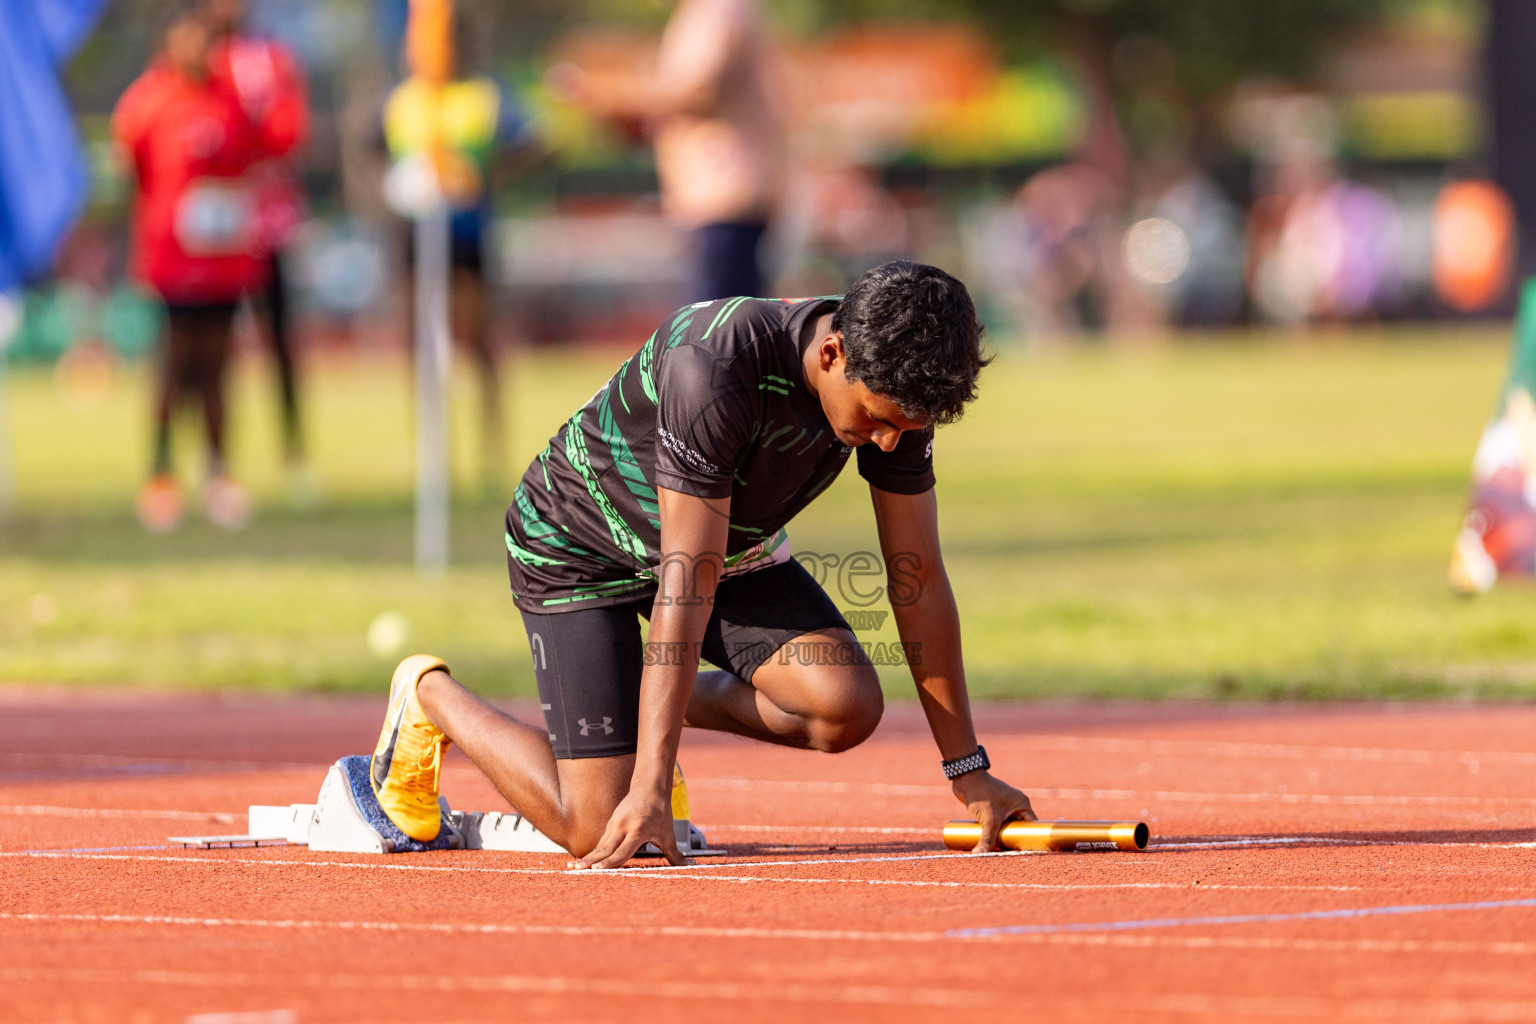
(715, 405)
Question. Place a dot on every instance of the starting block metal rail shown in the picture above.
(227, 842)
(346, 819)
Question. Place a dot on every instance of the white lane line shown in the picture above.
(950, 855)
(1189, 1006)
(1325, 841)
(1269, 751)
(912, 883)
(863, 830)
(1213, 844)
(1102, 939)
(455, 928)
(634, 872)
(629, 874)
(694, 873)
(812, 786)
(1219, 920)
(1139, 795)
(660, 873)
(43, 759)
(48, 811)
(693, 991)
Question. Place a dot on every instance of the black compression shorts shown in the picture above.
(588, 661)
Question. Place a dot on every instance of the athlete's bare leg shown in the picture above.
(569, 800)
(807, 700)
(804, 696)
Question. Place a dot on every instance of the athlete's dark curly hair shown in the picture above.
(910, 334)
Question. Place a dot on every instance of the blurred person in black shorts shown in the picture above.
(666, 496)
(269, 83)
(717, 129)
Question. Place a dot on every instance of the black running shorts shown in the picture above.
(588, 662)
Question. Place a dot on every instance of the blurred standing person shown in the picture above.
(445, 132)
(269, 83)
(190, 145)
(719, 143)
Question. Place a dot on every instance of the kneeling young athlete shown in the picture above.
(666, 496)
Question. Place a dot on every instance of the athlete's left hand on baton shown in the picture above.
(993, 803)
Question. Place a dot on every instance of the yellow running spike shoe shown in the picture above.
(409, 757)
(680, 810)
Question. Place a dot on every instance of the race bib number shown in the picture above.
(215, 218)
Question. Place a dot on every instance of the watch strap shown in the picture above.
(969, 763)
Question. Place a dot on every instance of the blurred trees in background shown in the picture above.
(918, 121)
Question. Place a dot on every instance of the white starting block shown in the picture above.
(335, 823)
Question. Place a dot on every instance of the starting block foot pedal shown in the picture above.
(348, 819)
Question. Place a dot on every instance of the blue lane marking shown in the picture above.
(1191, 922)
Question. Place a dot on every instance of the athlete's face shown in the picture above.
(858, 415)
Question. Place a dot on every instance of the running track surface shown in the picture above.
(1357, 863)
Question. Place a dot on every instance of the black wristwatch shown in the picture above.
(967, 764)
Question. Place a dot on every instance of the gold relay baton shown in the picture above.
(1053, 835)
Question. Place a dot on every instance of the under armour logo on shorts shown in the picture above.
(603, 725)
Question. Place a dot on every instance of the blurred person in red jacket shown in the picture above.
(269, 83)
(190, 144)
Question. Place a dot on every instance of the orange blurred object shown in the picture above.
(1474, 231)
(160, 504)
(429, 39)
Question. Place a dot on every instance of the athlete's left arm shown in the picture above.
(929, 624)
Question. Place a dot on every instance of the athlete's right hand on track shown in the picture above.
(640, 818)
(993, 803)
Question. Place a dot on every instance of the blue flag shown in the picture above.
(42, 173)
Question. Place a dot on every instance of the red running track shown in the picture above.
(1340, 863)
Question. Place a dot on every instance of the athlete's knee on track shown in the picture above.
(582, 839)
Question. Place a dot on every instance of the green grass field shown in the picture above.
(1264, 518)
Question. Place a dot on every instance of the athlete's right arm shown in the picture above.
(693, 538)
